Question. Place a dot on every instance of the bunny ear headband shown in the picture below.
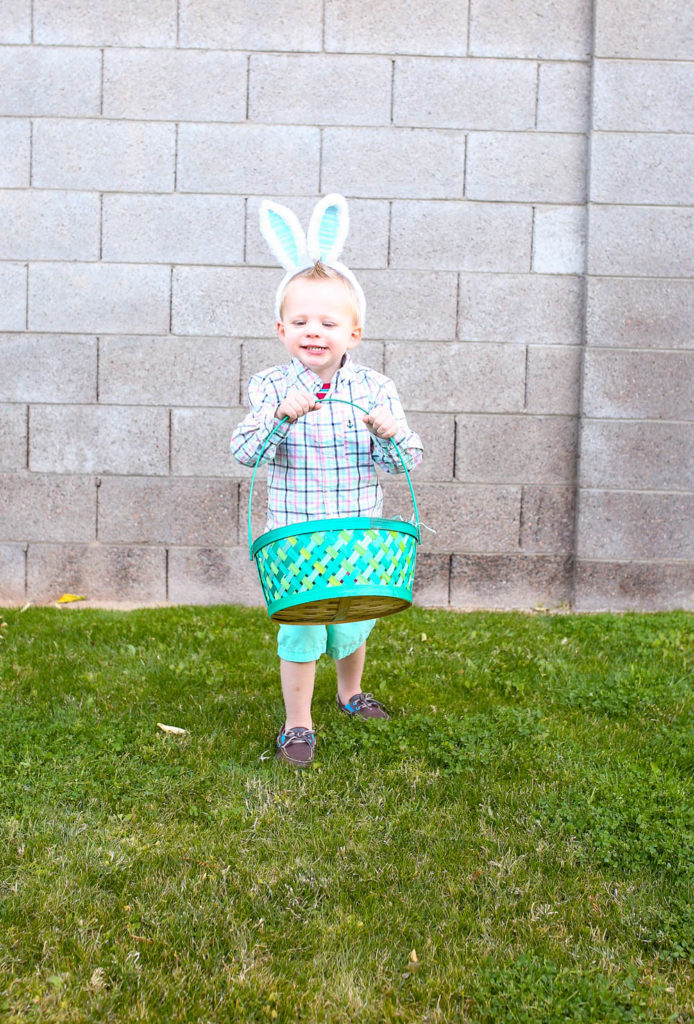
(327, 232)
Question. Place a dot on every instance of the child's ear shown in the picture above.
(355, 337)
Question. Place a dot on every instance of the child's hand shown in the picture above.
(381, 422)
(297, 403)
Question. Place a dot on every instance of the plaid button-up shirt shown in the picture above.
(324, 464)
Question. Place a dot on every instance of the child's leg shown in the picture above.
(349, 673)
(299, 647)
(297, 689)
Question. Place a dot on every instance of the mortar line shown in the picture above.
(455, 445)
(580, 416)
(97, 485)
(28, 447)
(450, 578)
(166, 573)
(521, 518)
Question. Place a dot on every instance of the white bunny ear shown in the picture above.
(328, 228)
(284, 235)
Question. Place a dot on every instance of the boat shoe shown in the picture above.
(363, 705)
(296, 745)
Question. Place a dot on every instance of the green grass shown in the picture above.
(525, 823)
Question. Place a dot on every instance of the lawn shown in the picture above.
(515, 845)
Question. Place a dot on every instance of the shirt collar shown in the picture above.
(312, 381)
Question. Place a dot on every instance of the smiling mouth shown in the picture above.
(314, 348)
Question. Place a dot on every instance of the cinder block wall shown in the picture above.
(138, 141)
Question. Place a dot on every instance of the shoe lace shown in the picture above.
(364, 700)
(298, 735)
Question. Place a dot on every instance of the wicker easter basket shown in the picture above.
(336, 570)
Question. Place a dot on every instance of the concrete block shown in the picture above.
(173, 229)
(563, 98)
(12, 570)
(13, 288)
(175, 85)
(230, 301)
(458, 376)
(466, 517)
(404, 163)
(620, 525)
(520, 308)
(515, 449)
(507, 582)
(271, 25)
(547, 520)
(553, 375)
(112, 156)
(259, 354)
(200, 442)
(47, 508)
(15, 21)
(431, 580)
(49, 225)
(99, 298)
(367, 242)
(258, 509)
(47, 368)
(558, 29)
(526, 167)
(463, 93)
(147, 510)
(637, 455)
(559, 240)
(438, 437)
(646, 168)
(380, 27)
(461, 236)
(98, 439)
(247, 158)
(643, 96)
(213, 576)
(633, 586)
(101, 573)
(640, 313)
(319, 89)
(116, 23)
(638, 385)
(645, 28)
(168, 371)
(41, 81)
(15, 145)
(13, 437)
(640, 241)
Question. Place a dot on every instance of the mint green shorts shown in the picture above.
(307, 643)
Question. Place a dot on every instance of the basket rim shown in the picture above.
(313, 525)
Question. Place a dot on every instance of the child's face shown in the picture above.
(318, 324)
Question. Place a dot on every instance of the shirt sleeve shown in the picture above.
(250, 435)
(410, 444)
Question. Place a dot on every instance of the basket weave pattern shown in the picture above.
(332, 558)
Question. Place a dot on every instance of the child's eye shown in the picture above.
(328, 323)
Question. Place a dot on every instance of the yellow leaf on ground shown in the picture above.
(67, 598)
(174, 729)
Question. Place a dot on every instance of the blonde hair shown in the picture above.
(320, 272)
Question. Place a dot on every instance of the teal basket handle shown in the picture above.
(324, 401)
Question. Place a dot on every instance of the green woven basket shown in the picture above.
(336, 570)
